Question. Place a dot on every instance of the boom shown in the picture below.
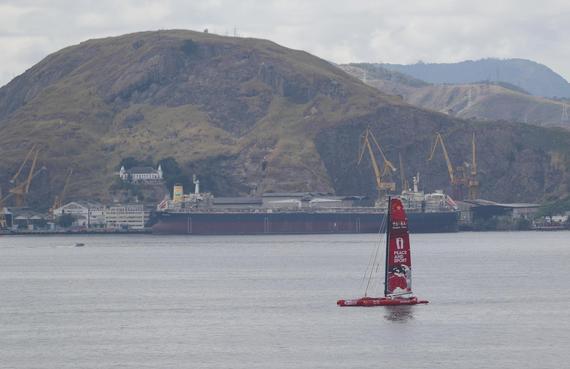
(2, 216)
(58, 201)
(402, 174)
(458, 178)
(28, 155)
(473, 182)
(20, 190)
(381, 186)
(439, 139)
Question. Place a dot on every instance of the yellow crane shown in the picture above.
(3, 223)
(457, 181)
(405, 185)
(28, 156)
(367, 140)
(473, 183)
(58, 201)
(20, 190)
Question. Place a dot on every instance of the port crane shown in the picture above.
(58, 201)
(382, 186)
(457, 179)
(473, 183)
(405, 184)
(3, 223)
(28, 156)
(21, 189)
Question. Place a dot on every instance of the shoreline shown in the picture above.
(73, 233)
(149, 232)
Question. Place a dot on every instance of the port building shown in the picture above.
(129, 216)
(85, 213)
(88, 214)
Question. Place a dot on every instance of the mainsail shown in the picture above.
(398, 277)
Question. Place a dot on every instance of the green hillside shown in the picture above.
(244, 115)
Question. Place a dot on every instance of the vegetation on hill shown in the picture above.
(173, 174)
(246, 116)
(555, 207)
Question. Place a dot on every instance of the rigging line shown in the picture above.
(371, 272)
(372, 269)
(379, 283)
(384, 220)
(370, 266)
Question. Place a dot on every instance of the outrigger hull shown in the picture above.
(380, 301)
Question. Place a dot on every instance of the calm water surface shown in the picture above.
(498, 300)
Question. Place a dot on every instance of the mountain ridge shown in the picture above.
(536, 78)
(246, 116)
(482, 100)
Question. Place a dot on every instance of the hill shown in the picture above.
(244, 115)
(533, 77)
(483, 100)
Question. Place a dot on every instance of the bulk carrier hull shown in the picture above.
(251, 223)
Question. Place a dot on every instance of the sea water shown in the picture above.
(497, 300)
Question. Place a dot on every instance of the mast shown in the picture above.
(388, 226)
(402, 174)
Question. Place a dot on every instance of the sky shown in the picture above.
(342, 31)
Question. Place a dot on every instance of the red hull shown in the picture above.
(381, 301)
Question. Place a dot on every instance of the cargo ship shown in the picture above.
(296, 213)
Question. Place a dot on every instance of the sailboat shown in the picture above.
(398, 266)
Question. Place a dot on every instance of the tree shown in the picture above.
(130, 162)
(173, 174)
(557, 207)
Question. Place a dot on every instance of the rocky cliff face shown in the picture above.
(245, 115)
(516, 163)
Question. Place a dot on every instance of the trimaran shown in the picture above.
(398, 266)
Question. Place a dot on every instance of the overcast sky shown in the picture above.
(402, 31)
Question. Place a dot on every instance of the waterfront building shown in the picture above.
(5, 218)
(85, 213)
(26, 219)
(129, 216)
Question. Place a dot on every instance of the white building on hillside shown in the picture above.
(141, 174)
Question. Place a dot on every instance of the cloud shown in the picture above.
(341, 31)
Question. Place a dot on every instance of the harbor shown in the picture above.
(210, 299)
(141, 202)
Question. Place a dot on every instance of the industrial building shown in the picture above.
(85, 213)
(129, 216)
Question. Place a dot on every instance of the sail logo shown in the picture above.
(400, 256)
(399, 243)
(399, 224)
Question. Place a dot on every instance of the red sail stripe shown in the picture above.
(399, 262)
